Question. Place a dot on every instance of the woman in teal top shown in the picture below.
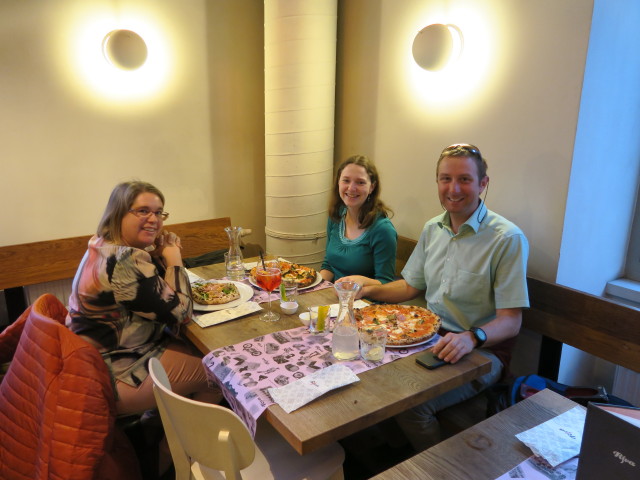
(361, 240)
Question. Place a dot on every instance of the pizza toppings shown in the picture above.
(405, 324)
(211, 293)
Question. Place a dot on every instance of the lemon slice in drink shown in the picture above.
(283, 293)
(323, 310)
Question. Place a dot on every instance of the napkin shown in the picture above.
(221, 316)
(333, 312)
(556, 440)
(294, 395)
(193, 277)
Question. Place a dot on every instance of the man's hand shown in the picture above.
(394, 292)
(453, 346)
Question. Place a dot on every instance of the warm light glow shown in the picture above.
(462, 77)
(85, 65)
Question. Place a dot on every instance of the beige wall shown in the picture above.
(202, 140)
(519, 105)
(63, 147)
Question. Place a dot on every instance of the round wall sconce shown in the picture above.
(124, 49)
(436, 45)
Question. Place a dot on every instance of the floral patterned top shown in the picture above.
(127, 304)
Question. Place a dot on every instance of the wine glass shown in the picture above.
(268, 277)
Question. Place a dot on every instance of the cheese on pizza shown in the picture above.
(211, 293)
(405, 324)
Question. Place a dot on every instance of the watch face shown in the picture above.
(480, 335)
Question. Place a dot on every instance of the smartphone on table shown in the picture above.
(429, 360)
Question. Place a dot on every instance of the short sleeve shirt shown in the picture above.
(468, 275)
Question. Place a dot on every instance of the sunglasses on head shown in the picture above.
(467, 147)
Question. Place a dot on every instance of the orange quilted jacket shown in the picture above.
(57, 409)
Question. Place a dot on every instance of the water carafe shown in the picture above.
(345, 343)
(233, 258)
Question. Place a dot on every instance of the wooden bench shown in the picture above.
(38, 262)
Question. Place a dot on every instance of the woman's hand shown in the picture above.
(168, 248)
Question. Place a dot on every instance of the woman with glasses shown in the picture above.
(130, 295)
(361, 240)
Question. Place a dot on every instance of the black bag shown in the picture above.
(503, 395)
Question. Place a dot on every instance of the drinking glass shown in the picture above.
(372, 343)
(319, 319)
(268, 277)
(288, 296)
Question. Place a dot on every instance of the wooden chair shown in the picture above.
(207, 439)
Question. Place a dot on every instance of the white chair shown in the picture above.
(207, 439)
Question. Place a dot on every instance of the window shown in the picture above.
(627, 289)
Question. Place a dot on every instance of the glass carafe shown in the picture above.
(233, 258)
(344, 342)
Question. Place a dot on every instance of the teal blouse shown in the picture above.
(372, 254)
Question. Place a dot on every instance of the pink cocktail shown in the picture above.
(269, 279)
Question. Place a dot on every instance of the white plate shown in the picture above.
(410, 344)
(246, 292)
(313, 284)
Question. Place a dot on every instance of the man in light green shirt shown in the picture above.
(470, 264)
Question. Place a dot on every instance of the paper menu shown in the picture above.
(611, 443)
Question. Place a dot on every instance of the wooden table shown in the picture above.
(486, 450)
(380, 394)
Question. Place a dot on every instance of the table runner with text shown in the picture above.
(247, 370)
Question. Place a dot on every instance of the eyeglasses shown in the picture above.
(145, 212)
(466, 147)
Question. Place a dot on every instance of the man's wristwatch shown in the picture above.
(479, 335)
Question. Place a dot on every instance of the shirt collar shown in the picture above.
(472, 222)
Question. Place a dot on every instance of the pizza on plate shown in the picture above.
(405, 324)
(303, 276)
(210, 293)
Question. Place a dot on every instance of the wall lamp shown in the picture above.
(437, 45)
(124, 49)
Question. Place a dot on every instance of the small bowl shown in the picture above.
(289, 308)
(304, 318)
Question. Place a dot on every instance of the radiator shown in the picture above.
(60, 288)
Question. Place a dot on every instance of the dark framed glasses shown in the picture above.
(145, 212)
